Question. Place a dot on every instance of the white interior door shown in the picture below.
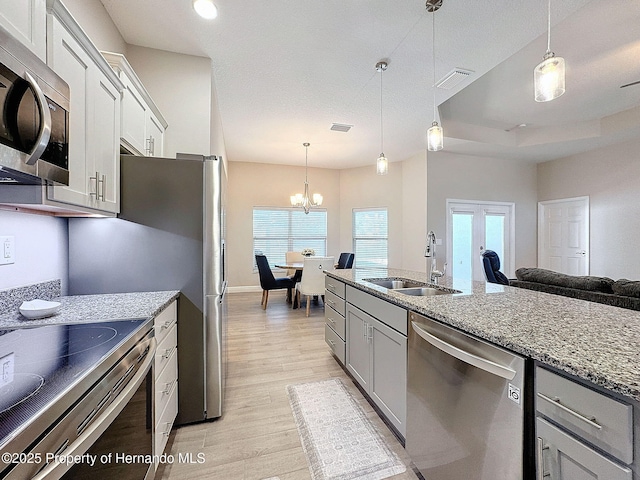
(472, 228)
(563, 235)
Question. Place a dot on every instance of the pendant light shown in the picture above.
(548, 76)
(302, 200)
(382, 164)
(435, 135)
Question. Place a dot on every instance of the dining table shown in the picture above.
(298, 267)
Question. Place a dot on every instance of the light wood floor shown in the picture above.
(256, 438)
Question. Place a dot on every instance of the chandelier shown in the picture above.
(302, 199)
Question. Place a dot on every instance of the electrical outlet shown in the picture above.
(7, 255)
(6, 369)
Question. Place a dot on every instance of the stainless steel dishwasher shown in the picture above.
(465, 408)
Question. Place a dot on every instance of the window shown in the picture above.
(370, 237)
(279, 230)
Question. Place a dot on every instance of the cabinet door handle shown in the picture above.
(103, 181)
(95, 179)
(540, 447)
(333, 344)
(370, 333)
(331, 302)
(556, 401)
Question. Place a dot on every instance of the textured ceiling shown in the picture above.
(285, 70)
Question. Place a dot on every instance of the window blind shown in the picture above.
(370, 237)
(279, 230)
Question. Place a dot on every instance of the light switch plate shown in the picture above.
(7, 250)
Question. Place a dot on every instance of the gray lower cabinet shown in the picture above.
(334, 329)
(376, 356)
(582, 434)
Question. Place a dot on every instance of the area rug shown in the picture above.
(339, 440)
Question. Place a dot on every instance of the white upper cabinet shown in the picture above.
(94, 118)
(26, 21)
(142, 124)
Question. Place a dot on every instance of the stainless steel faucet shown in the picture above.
(430, 252)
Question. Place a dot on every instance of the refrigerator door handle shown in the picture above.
(464, 356)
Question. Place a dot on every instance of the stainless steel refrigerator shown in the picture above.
(170, 235)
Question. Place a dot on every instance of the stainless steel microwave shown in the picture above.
(34, 118)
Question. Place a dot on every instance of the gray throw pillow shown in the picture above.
(549, 277)
(627, 288)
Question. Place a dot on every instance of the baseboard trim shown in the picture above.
(245, 289)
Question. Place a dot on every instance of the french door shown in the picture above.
(472, 228)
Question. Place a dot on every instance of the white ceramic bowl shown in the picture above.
(39, 308)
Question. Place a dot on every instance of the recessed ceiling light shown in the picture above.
(205, 8)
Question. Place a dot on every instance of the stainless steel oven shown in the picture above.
(77, 401)
(34, 124)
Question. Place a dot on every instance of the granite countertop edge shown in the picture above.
(518, 319)
(96, 308)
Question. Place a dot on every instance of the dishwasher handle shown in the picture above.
(464, 356)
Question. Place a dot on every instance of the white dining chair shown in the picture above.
(293, 257)
(312, 282)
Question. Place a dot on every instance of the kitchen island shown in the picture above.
(570, 407)
(595, 342)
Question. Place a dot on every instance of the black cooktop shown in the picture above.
(39, 365)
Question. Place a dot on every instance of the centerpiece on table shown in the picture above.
(307, 252)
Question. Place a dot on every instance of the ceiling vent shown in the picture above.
(453, 78)
(340, 127)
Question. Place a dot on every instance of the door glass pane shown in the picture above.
(462, 243)
(494, 234)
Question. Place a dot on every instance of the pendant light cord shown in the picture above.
(549, 27)
(433, 54)
(306, 163)
(381, 127)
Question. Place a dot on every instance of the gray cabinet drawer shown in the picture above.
(335, 321)
(334, 286)
(334, 302)
(564, 457)
(387, 313)
(336, 344)
(601, 420)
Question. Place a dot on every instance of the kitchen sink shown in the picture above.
(395, 283)
(411, 287)
(425, 291)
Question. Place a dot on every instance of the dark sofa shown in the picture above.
(618, 293)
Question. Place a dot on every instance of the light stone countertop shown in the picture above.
(595, 342)
(96, 308)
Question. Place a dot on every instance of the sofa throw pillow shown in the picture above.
(549, 277)
(627, 288)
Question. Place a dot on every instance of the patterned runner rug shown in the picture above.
(339, 440)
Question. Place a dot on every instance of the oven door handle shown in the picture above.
(464, 356)
(45, 124)
(97, 428)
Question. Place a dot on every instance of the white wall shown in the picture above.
(363, 188)
(609, 176)
(402, 191)
(180, 85)
(476, 178)
(414, 211)
(266, 185)
(97, 23)
(40, 248)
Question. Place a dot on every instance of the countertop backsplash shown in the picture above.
(10, 300)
